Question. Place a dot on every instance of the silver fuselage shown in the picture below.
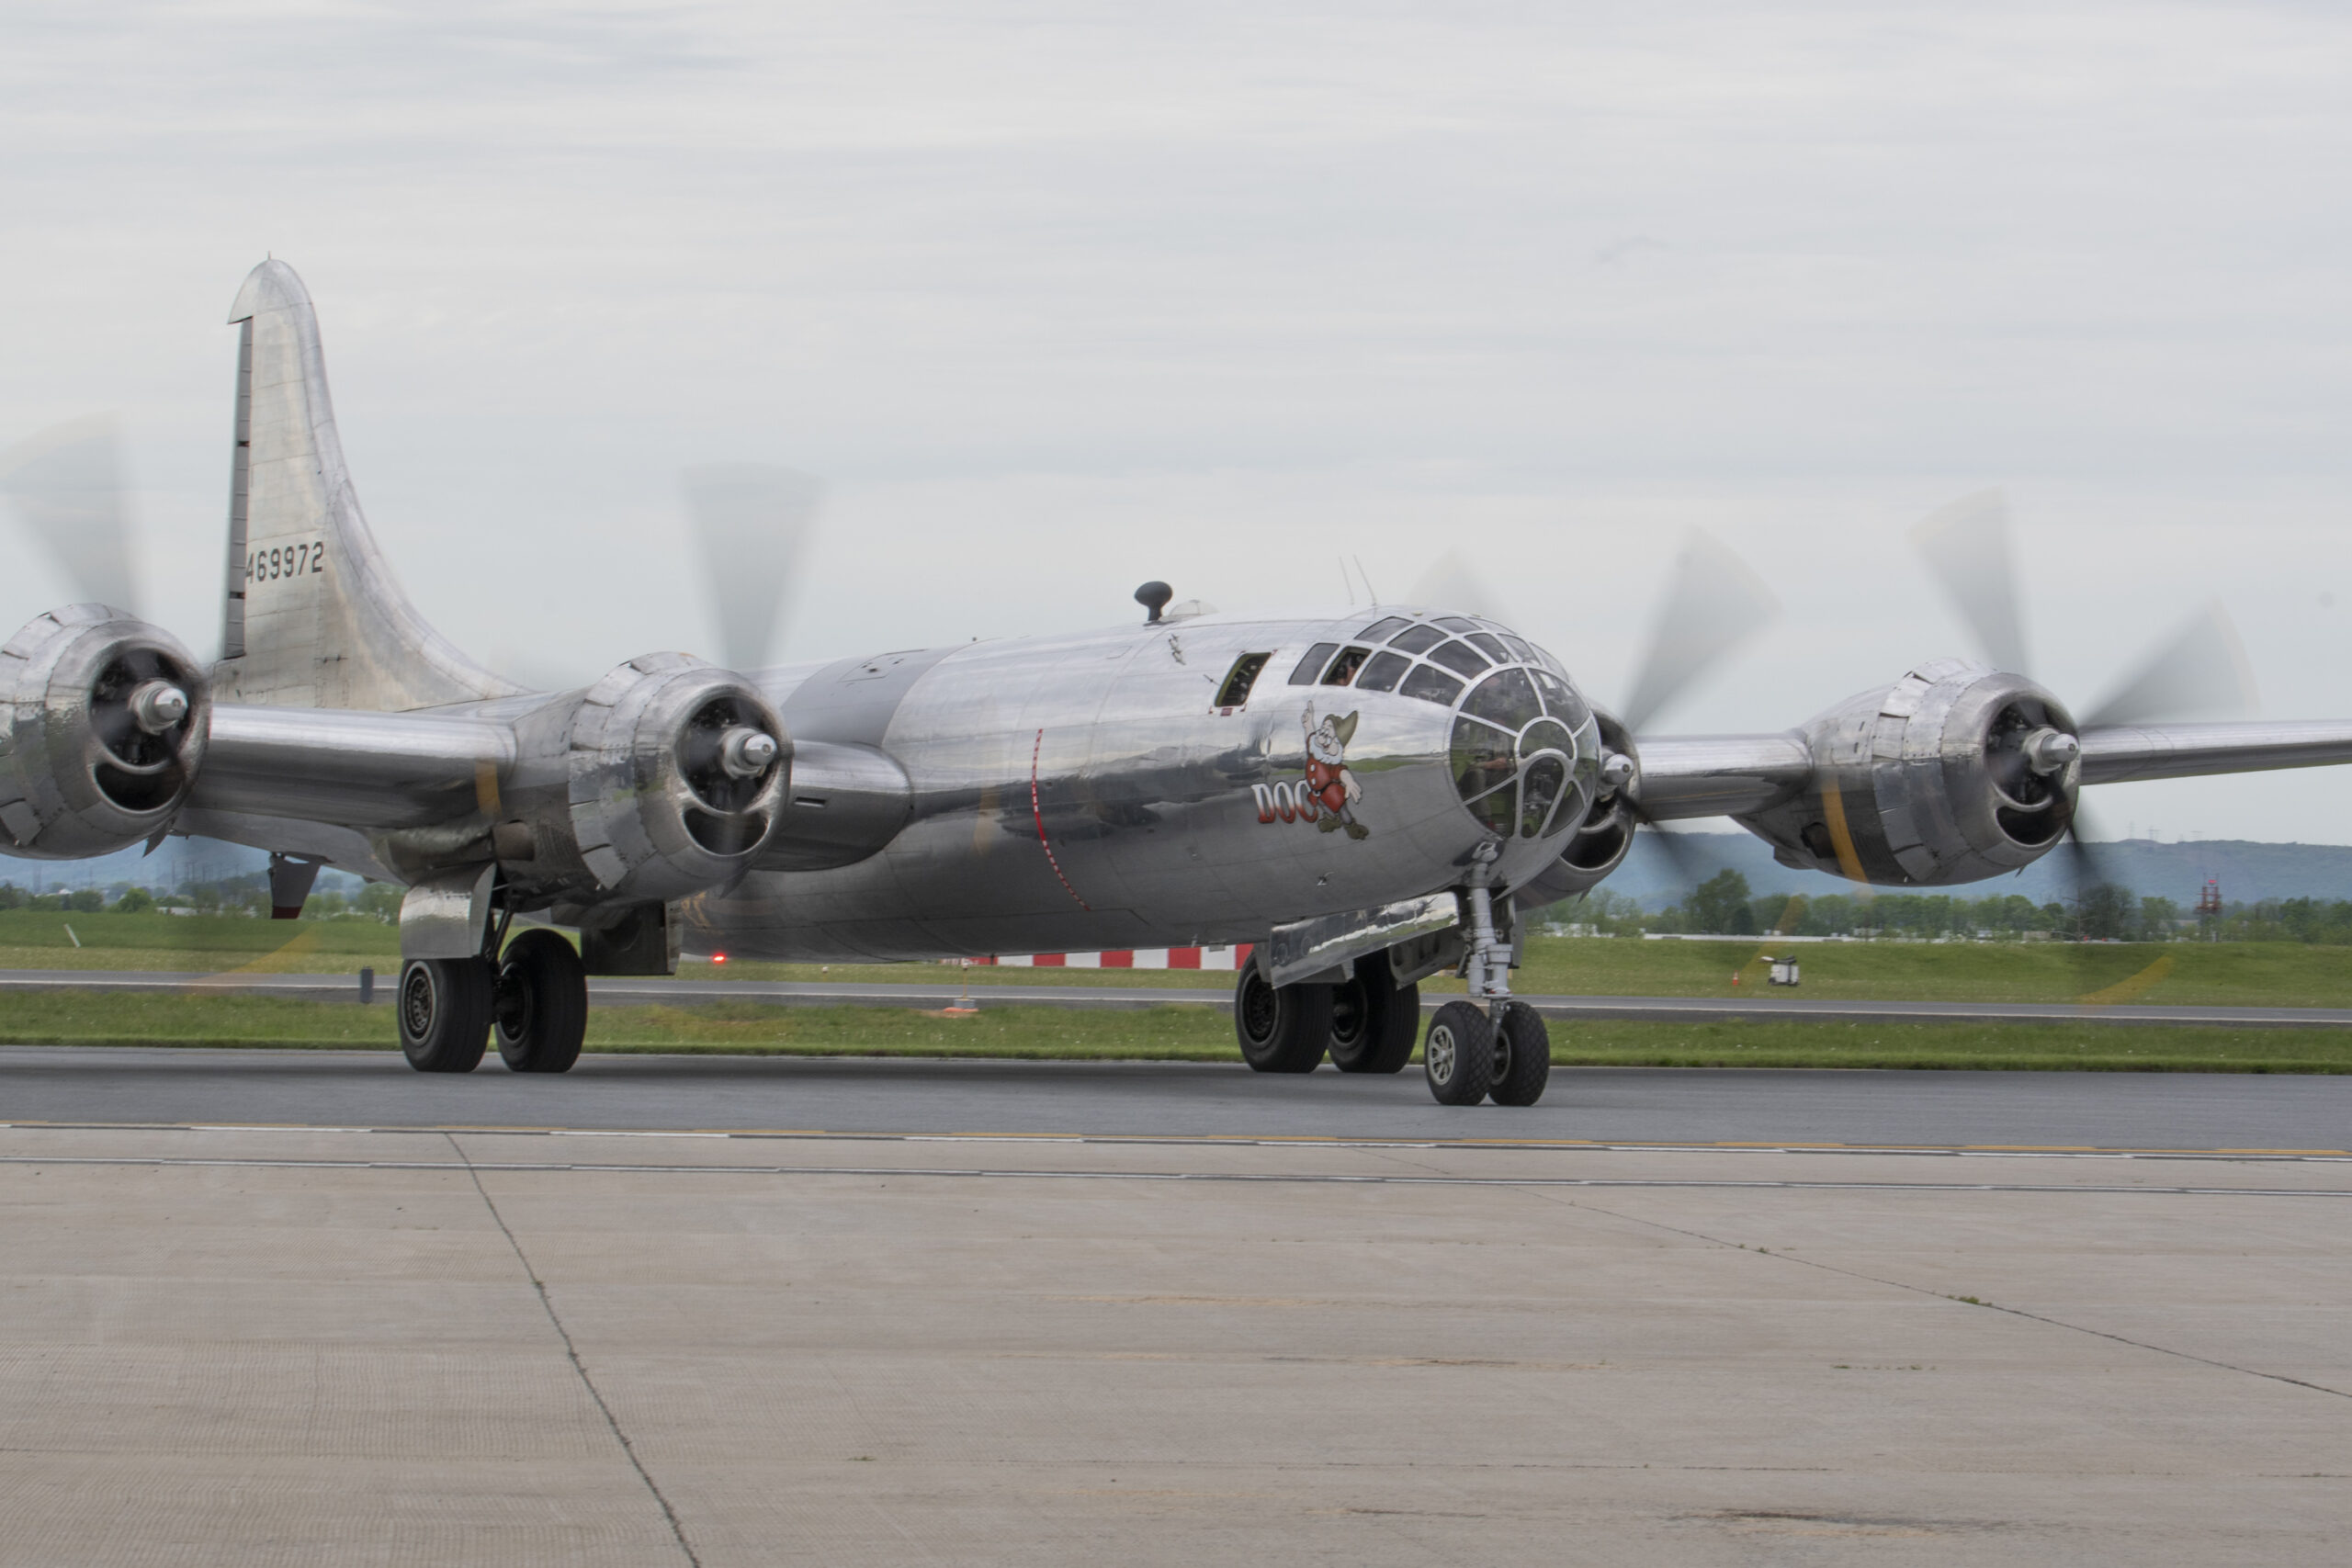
(1085, 792)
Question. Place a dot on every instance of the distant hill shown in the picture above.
(2248, 871)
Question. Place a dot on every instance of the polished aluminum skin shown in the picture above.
(1950, 774)
(313, 617)
(1090, 791)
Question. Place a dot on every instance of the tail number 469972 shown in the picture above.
(286, 560)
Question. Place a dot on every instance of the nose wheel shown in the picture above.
(1470, 1055)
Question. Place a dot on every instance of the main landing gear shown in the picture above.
(1486, 1047)
(534, 998)
(1367, 1025)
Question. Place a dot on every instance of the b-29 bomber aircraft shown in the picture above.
(1369, 800)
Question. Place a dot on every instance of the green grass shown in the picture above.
(2216, 974)
(43, 939)
(1179, 1033)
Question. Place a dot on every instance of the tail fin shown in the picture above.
(314, 619)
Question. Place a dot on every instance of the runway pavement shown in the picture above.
(86, 1084)
(1764, 1003)
(247, 1346)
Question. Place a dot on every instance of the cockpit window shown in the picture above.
(1312, 665)
(1417, 639)
(1381, 631)
(1507, 698)
(1238, 682)
(1431, 686)
(1461, 657)
(1456, 624)
(1490, 645)
(1519, 648)
(1343, 668)
(1383, 673)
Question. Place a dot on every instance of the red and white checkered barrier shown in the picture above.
(1225, 958)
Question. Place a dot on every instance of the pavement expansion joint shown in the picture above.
(579, 1367)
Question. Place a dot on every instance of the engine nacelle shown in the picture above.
(1601, 842)
(1954, 773)
(103, 723)
(662, 779)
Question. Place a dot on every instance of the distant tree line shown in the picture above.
(1724, 906)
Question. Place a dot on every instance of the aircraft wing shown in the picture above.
(2124, 753)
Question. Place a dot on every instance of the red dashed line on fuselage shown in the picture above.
(1038, 813)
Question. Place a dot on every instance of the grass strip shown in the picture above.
(1182, 1032)
(2184, 973)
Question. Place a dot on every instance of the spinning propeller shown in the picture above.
(1713, 603)
(66, 487)
(752, 523)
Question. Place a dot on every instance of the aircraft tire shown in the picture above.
(1458, 1058)
(443, 1007)
(539, 1013)
(1282, 1029)
(1375, 1023)
(1524, 1056)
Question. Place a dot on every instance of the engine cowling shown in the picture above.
(103, 723)
(1954, 773)
(662, 779)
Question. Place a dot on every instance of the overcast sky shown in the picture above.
(1059, 298)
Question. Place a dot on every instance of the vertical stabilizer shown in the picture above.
(314, 619)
